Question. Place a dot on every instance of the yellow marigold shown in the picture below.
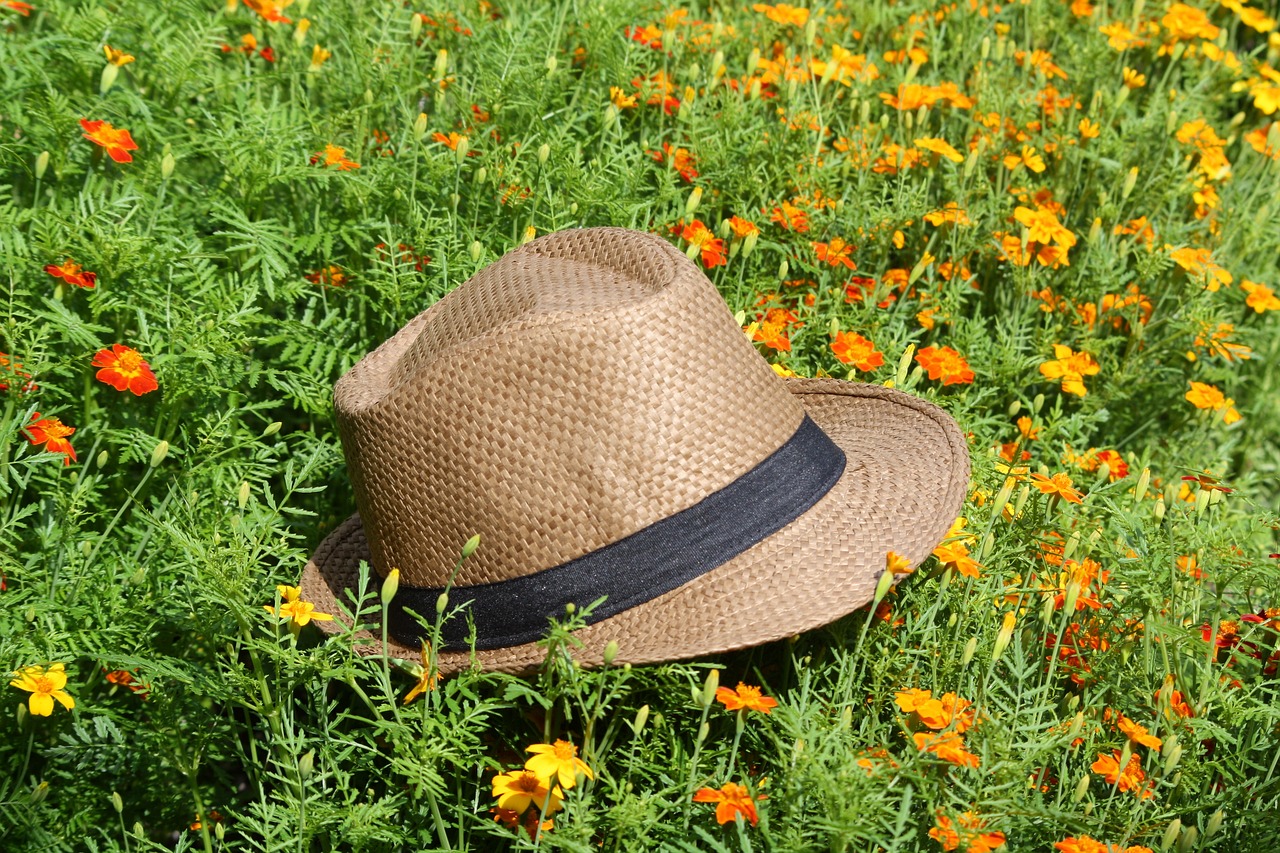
(1043, 227)
(941, 147)
(44, 685)
(1205, 396)
(1120, 37)
(1199, 263)
(1071, 368)
(783, 13)
(1261, 298)
(1184, 23)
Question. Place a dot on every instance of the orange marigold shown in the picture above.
(742, 228)
(1059, 484)
(790, 217)
(835, 253)
(745, 696)
(116, 140)
(332, 155)
(854, 349)
(1204, 396)
(946, 364)
(1129, 779)
(783, 13)
(1138, 733)
(948, 746)
(732, 800)
(1261, 298)
(1070, 367)
(125, 370)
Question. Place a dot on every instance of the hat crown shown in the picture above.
(579, 389)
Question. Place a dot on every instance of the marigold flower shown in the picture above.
(733, 800)
(790, 217)
(951, 213)
(1184, 23)
(896, 564)
(318, 57)
(621, 99)
(940, 147)
(294, 609)
(427, 680)
(835, 253)
(44, 685)
(125, 370)
(270, 9)
(1070, 367)
(329, 276)
(557, 761)
(1261, 298)
(1138, 733)
(1129, 779)
(970, 834)
(1199, 263)
(955, 555)
(945, 364)
(1120, 37)
(745, 696)
(518, 789)
(117, 57)
(332, 155)
(742, 228)
(855, 350)
(1133, 79)
(1089, 129)
(116, 140)
(707, 244)
(13, 367)
(24, 9)
(785, 14)
(70, 272)
(52, 433)
(1028, 157)
(124, 678)
(1043, 227)
(1059, 484)
(1204, 396)
(1085, 844)
(948, 746)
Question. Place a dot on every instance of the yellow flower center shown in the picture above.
(527, 783)
(565, 751)
(43, 684)
(129, 363)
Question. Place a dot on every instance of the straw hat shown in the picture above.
(589, 406)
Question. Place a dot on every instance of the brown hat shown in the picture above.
(589, 406)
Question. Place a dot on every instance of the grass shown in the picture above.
(250, 270)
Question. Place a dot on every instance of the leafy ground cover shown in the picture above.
(1055, 219)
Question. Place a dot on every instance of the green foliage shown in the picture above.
(251, 273)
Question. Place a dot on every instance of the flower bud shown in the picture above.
(969, 648)
(1202, 501)
(986, 48)
(749, 243)
(159, 453)
(482, 175)
(460, 153)
(42, 163)
(570, 609)
(642, 717)
(1171, 834)
(138, 829)
(109, 73)
(1158, 510)
(1214, 824)
(475, 251)
(610, 652)
(390, 584)
(529, 233)
(1129, 181)
(420, 126)
(39, 792)
(544, 151)
(103, 458)
(272, 429)
(1171, 761)
(1095, 231)
(300, 31)
(117, 802)
(904, 364)
(551, 64)
(1082, 788)
(1071, 597)
(709, 688)
(442, 603)
(1037, 404)
(1006, 634)
(882, 588)
(307, 764)
(691, 203)
(703, 731)
(783, 269)
(166, 166)
(242, 495)
(1187, 842)
(1077, 725)
(415, 26)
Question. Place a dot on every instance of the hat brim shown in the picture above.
(906, 472)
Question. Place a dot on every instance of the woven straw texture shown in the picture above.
(586, 386)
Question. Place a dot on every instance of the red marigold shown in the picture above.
(71, 272)
(125, 370)
(835, 253)
(116, 140)
(52, 433)
(679, 158)
(945, 364)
